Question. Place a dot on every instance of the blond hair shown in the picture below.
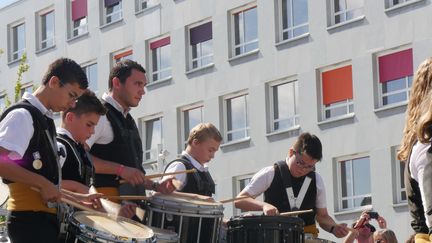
(388, 235)
(422, 83)
(424, 125)
(204, 131)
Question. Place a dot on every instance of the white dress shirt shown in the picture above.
(178, 166)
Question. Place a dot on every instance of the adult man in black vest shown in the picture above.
(293, 185)
(29, 159)
(116, 146)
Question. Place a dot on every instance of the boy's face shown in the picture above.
(83, 126)
(204, 151)
(64, 96)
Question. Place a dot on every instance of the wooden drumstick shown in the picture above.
(164, 174)
(296, 212)
(128, 197)
(233, 199)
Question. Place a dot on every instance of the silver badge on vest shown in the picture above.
(37, 163)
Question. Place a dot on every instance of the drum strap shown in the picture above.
(295, 202)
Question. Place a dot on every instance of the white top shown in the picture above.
(262, 180)
(103, 130)
(20, 120)
(178, 166)
(417, 163)
(65, 132)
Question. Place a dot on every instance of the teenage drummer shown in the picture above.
(78, 123)
(293, 185)
(203, 142)
(29, 159)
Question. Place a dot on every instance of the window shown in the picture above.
(112, 11)
(399, 178)
(240, 182)
(152, 130)
(191, 116)
(283, 105)
(26, 88)
(393, 3)
(45, 27)
(123, 56)
(354, 187)
(245, 31)
(395, 77)
(91, 72)
(345, 10)
(141, 5)
(78, 18)
(201, 46)
(337, 92)
(237, 117)
(294, 18)
(161, 59)
(17, 44)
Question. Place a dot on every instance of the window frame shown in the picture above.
(296, 117)
(82, 27)
(198, 46)
(344, 12)
(143, 129)
(242, 45)
(226, 116)
(238, 189)
(158, 54)
(398, 190)
(121, 55)
(379, 85)
(86, 66)
(105, 15)
(281, 29)
(183, 135)
(25, 87)
(3, 96)
(340, 197)
(348, 104)
(140, 9)
(40, 26)
(19, 52)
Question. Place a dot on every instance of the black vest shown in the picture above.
(199, 182)
(125, 149)
(77, 166)
(415, 203)
(39, 148)
(276, 194)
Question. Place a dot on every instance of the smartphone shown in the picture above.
(373, 215)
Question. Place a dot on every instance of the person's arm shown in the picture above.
(74, 186)
(13, 172)
(328, 224)
(352, 235)
(251, 204)
(181, 178)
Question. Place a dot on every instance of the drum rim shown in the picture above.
(189, 214)
(174, 200)
(96, 233)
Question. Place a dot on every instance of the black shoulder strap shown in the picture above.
(36, 114)
(188, 165)
(285, 175)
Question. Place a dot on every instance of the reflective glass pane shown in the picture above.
(251, 25)
(300, 12)
(361, 176)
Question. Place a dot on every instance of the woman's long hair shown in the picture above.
(422, 83)
(424, 124)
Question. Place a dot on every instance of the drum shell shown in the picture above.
(89, 233)
(194, 221)
(265, 229)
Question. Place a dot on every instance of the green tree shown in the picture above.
(22, 68)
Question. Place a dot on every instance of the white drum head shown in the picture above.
(4, 193)
(163, 235)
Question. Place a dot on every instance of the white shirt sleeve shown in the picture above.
(177, 166)
(260, 182)
(103, 133)
(321, 193)
(18, 121)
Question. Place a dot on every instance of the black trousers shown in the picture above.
(32, 227)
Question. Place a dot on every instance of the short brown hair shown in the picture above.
(309, 144)
(87, 103)
(122, 70)
(204, 131)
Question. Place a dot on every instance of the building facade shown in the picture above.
(262, 71)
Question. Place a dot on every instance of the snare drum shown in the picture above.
(99, 227)
(193, 220)
(165, 236)
(265, 229)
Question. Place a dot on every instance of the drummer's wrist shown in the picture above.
(155, 186)
(119, 170)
